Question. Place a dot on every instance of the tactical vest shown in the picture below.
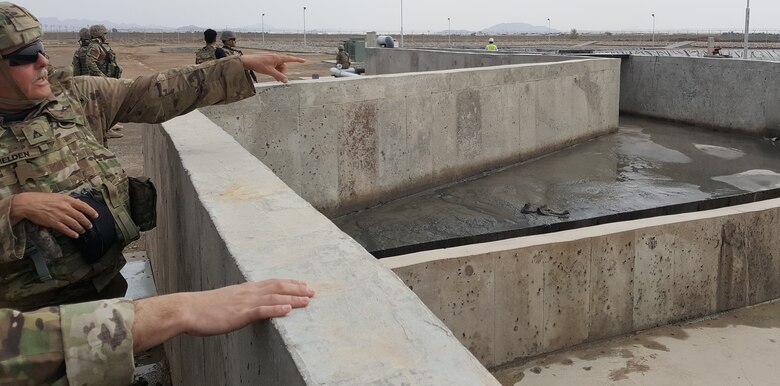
(80, 60)
(56, 152)
(205, 54)
(106, 60)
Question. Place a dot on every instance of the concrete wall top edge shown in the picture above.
(264, 224)
(570, 235)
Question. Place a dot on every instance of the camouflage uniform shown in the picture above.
(80, 56)
(100, 59)
(342, 58)
(54, 149)
(234, 52)
(205, 54)
(80, 344)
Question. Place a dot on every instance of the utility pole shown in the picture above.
(402, 23)
(549, 32)
(262, 25)
(304, 26)
(449, 31)
(653, 15)
(747, 30)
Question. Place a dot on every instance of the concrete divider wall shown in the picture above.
(224, 218)
(523, 297)
(730, 94)
(381, 61)
(347, 144)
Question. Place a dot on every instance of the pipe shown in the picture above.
(339, 73)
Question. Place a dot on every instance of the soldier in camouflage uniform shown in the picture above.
(342, 58)
(100, 58)
(47, 150)
(93, 343)
(79, 62)
(50, 148)
(208, 52)
(229, 49)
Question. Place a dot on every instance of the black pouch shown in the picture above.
(143, 203)
(95, 242)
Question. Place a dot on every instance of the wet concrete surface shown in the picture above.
(645, 164)
(735, 348)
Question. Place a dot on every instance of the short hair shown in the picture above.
(210, 36)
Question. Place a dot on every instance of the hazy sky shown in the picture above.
(423, 15)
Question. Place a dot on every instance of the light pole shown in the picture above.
(449, 31)
(549, 32)
(402, 23)
(262, 25)
(304, 26)
(653, 15)
(747, 30)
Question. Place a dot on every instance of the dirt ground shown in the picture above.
(138, 60)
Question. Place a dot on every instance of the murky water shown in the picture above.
(645, 164)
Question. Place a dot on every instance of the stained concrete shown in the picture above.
(348, 144)
(646, 164)
(731, 94)
(380, 61)
(737, 348)
(224, 218)
(518, 298)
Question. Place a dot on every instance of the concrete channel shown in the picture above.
(248, 191)
(646, 165)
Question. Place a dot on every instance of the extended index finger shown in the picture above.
(291, 59)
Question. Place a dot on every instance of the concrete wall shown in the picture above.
(527, 296)
(225, 218)
(347, 144)
(380, 61)
(729, 94)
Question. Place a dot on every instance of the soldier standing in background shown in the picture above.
(229, 49)
(79, 57)
(342, 58)
(208, 52)
(100, 60)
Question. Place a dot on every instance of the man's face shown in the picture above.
(230, 42)
(31, 76)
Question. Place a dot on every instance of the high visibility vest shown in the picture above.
(491, 47)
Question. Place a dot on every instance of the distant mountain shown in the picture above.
(516, 28)
(55, 24)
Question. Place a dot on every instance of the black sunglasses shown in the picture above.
(25, 55)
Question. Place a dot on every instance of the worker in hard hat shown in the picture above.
(491, 45)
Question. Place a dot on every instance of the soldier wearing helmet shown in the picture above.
(51, 147)
(79, 57)
(342, 58)
(229, 49)
(61, 189)
(100, 58)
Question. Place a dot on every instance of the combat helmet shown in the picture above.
(227, 35)
(18, 27)
(98, 30)
(84, 34)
